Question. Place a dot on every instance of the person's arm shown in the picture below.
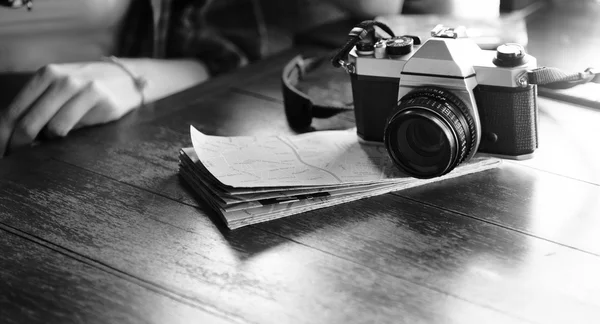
(169, 76)
(62, 97)
(370, 8)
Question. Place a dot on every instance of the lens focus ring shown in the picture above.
(463, 114)
(452, 121)
(443, 110)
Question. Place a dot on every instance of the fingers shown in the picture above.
(28, 95)
(73, 110)
(105, 111)
(60, 98)
(42, 110)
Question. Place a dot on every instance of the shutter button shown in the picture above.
(510, 55)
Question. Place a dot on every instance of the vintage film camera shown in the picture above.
(436, 104)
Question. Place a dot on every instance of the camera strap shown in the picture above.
(361, 31)
(553, 78)
(300, 108)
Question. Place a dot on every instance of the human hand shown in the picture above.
(63, 97)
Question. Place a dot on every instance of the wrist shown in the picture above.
(165, 77)
(140, 83)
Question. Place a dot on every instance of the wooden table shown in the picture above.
(99, 228)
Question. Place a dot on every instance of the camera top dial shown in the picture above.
(400, 45)
(510, 55)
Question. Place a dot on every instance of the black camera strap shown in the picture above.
(300, 108)
(361, 31)
(553, 78)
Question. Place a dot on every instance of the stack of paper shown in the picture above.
(250, 179)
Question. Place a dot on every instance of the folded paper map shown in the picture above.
(248, 179)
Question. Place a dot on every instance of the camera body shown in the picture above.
(446, 94)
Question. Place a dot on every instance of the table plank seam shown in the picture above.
(193, 303)
(256, 95)
(394, 193)
(461, 214)
(260, 96)
(515, 163)
(121, 274)
(334, 255)
(130, 185)
(257, 227)
(395, 275)
(218, 85)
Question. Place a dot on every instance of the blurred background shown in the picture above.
(73, 30)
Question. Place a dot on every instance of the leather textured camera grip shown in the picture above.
(509, 120)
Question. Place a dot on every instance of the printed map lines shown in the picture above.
(303, 162)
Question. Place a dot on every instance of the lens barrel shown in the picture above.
(430, 132)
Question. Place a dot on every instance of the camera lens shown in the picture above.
(425, 138)
(430, 133)
(421, 143)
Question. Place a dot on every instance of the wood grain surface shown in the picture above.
(478, 217)
(99, 228)
(179, 249)
(44, 283)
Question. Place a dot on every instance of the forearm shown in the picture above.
(370, 8)
(165, 77)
